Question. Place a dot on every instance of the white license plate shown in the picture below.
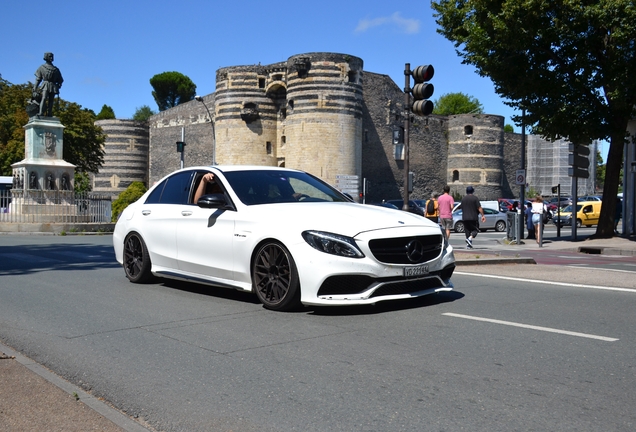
(416, 271)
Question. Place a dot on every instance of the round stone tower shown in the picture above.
(476, 154)
(125, 156)
(305, 113)
(323, 126)
(249, 106)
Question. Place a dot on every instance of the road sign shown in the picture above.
(520, 177)
(347, 182)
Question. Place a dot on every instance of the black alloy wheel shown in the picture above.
(275, 277)
(136, 259)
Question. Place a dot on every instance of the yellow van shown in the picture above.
(587, 214)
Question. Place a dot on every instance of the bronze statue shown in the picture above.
(51, 79)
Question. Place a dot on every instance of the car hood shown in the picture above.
(347, 219)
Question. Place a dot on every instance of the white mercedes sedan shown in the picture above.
(283, 234)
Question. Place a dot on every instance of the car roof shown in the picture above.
(230, 168)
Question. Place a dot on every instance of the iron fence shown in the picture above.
(54, 206)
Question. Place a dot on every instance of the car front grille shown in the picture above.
(407, 250)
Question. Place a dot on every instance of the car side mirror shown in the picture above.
(212, 201)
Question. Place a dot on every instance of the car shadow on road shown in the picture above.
(208, 290)
(380, 307)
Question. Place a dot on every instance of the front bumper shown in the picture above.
(368, 281)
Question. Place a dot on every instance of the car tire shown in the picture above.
(578, 223)
(275, 277)
(136, 259)
(459, 227)
(500, 226)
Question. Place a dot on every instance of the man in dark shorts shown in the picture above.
(471, 209)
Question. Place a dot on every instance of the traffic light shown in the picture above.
(579, 161)
(422, 90)
(180, 146)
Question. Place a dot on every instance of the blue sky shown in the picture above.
(107, 51)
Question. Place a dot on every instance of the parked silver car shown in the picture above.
(494, 220)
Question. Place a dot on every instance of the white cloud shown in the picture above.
(406, 25)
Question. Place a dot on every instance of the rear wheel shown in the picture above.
(275, 277)
(136, 259)
(459, 227)
(500, 226)
(578, 223)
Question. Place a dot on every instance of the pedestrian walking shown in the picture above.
(537, 217)
(618, 214)
(529, 224)
(445, 205)
(471, 209)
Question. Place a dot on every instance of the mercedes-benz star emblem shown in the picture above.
(415, 251)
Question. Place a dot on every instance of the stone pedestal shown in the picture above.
(43, 180)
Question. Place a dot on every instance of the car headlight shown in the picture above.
(333, 244)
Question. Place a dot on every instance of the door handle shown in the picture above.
(145, 212)
(186, 213)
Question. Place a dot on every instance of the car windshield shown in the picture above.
(568, 209)
(269, 186)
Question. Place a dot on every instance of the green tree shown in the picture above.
(82, 182)
(106, 113)
(143, 113)
(13, 117)
(509, 128)
(172, 89)
(127, 197)
(568, 64)
(457, 103)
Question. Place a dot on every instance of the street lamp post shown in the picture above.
(200, 99)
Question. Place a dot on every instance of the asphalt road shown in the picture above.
(497, 354)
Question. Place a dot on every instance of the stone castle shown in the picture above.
(321, 113)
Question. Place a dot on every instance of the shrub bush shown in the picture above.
(127, 197)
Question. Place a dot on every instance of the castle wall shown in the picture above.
(321, 113)
(165, 130)
(383, 111)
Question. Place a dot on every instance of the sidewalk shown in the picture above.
(489, 251)
(33, 399)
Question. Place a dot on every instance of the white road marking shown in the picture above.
(545, 329)
(543, 282)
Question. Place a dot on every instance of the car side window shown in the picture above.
(173, 190)
(213, 187)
